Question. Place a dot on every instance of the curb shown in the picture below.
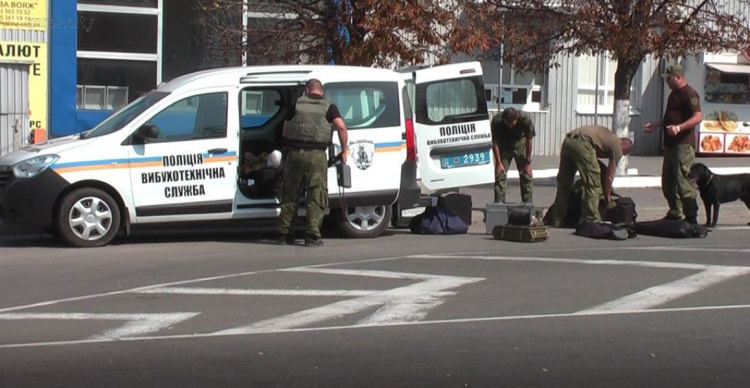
(633, 180)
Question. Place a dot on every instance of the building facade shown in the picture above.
(65, 65)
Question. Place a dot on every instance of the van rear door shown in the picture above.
(452, 126)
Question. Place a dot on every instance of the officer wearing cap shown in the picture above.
(512, 139)
(681, 116)
(308, 134)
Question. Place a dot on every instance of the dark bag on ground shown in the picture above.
(623, 213)
(438, 220)
(670, 229)
(601, 230)
(458, 203)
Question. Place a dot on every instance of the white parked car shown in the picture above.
(176, 154)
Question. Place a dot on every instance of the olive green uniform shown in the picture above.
(306, 163)
(511, 140)
(679, 154)
(580, 152)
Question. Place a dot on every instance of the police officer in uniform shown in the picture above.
(580, 152)
(307, 131)
(512, 139)
(681, 116)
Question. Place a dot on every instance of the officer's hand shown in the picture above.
(672, 130)
(499, 169)
(527, 169)
(610, 203)
(343, 157)
(649, 127)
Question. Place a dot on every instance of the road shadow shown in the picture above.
(12, 237)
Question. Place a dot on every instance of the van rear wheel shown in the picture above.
(88, 217)
(364, 221)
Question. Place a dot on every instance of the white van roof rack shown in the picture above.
(294, 77)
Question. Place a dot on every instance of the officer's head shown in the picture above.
(510, 116)
(626, 144)
(314, 86)
(674, 76)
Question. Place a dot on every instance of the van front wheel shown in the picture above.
(364, 221)
(88, 217)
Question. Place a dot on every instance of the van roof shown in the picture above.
(230, 76)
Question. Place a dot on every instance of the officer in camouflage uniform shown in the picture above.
(307, 131)
(580, 152)
(681, 116)
(512, 139)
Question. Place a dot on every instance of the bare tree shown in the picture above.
(627, 30)
(354, 32)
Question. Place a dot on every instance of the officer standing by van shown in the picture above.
(580, 152)
(512, 139)
(307, 131)
(682, 114)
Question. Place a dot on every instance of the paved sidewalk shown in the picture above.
(643, 171)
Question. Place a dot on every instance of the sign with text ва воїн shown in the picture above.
(23, 14)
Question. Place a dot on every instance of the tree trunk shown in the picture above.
(624, 74)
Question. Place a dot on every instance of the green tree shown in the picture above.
(353, 32)
(627, 30)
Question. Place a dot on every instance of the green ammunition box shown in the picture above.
(520, 233)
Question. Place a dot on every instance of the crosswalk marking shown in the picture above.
(136, 325)
(402, 304)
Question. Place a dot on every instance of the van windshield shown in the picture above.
(125, 115)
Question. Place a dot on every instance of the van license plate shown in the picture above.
(464, 160)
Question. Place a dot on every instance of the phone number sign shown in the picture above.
(23, 14)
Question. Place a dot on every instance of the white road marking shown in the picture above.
(690, 249)
(138, 324)
(658, 295)
(402, 304)
(258, 292)
(647, 264)
(383, 325)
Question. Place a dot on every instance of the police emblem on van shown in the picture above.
(363, 153)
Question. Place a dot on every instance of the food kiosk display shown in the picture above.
(725, 129)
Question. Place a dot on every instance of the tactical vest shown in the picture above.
(309, 124)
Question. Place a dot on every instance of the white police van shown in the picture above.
(175, 154)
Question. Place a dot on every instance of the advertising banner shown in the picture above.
(35, 54)
(23, 14)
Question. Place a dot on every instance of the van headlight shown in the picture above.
(31, 167)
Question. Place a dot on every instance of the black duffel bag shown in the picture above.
(671, 229)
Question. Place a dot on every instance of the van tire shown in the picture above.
(88, 217)
(377, 219)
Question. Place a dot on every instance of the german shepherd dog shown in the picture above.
(716, 189)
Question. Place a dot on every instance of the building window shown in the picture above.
(114, 32)
(123, 3)
(106, 84)
(519, 90)
(601, 100)
(119, 52)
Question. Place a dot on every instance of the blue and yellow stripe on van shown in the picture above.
(390, 146)
(151, 161)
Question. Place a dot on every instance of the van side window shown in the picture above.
(451, 101)
(197, 117)
(257, 107)
(366, 104)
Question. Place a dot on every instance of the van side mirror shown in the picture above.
(146, 132)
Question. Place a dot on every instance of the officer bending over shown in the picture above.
(308, 135)
(580, 152)
(512, 139)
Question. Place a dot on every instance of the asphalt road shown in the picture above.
(223, 308)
